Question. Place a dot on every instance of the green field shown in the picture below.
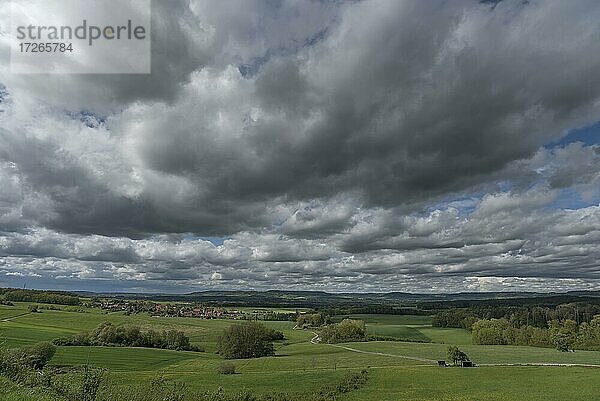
(300, 365)
(481, 384)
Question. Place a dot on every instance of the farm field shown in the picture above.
(398, 370)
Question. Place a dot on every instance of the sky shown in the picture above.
(343, 146)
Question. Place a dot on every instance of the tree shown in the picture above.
(589, 334)
(563, 334)
(246, 340)
(456, 355)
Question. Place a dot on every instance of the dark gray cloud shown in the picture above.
(337, 145)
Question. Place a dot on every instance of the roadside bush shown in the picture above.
(226, 368)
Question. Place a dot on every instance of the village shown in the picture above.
(193, 310)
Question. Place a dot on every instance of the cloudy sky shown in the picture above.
(419, 146)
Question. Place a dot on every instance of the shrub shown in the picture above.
(90, 384)
(226, 368)
(35, 356)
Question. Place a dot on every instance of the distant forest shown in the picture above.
(38, 296)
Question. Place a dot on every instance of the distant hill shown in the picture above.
(319, 299)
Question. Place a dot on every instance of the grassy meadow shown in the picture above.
(299, 364)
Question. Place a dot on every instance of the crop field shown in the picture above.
(398, 370)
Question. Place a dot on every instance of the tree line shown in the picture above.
(518, 316)
(563, 335)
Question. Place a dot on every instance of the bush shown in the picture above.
(35, 356)
(10, 365)
(22, 365)
(90, 384)
(276, 335)
(226, 368)
(246, 340)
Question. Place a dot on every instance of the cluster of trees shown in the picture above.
(563, 335)
(275, 316)
(106, 334)
(44, 297)
(248, 340)
(306, 320)
(518, 316)
(501, 332)
(348, 330)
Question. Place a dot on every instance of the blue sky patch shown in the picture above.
(589, 136)
(464, 204)
(88, 118)
(569, 198)
(216, 241)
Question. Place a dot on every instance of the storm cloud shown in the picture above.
(347, 145)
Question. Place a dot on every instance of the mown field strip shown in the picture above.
(414, 358)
